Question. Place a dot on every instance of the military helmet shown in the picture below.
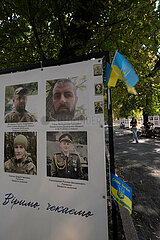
(21, 140)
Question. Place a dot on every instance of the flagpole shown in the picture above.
(110, 129)
(114, 56)
(124, 71)
(111, 152)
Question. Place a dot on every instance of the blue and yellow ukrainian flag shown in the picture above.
(121, 192)
(120, 69)
(111, 76)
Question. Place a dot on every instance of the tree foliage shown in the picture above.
(37, 30)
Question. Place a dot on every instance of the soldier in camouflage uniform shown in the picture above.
(19, 114)
(66, 164)
(21, 162)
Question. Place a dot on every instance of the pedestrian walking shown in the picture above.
(134, 129)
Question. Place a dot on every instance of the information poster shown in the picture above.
(52, 159)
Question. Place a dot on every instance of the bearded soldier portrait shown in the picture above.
(61, 102)
(19, 113)
(21, 162)
(66, 164)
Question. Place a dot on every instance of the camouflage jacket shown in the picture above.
(66, 167)
(15, 116)
(23, 166)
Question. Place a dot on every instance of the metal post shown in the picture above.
(111, 151)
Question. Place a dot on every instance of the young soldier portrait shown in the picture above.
(21, 160)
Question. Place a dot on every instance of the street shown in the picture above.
(139, 166)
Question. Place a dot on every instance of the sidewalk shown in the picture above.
(140, 166)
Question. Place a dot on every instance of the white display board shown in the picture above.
(154, 120)
(41, 206)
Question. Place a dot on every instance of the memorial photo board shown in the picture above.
(52, 151)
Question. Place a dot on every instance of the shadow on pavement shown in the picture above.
(139, 166)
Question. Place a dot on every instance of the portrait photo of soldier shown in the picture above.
(62, 100)
(98, 89)
(20, 153)
(97, 68)
(67, 155)
(16, 99)
(98, 107)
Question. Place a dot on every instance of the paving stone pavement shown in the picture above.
(140, 166)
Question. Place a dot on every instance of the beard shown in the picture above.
(21, 107)
(65, 115)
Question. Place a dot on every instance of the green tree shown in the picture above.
(36, 30)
